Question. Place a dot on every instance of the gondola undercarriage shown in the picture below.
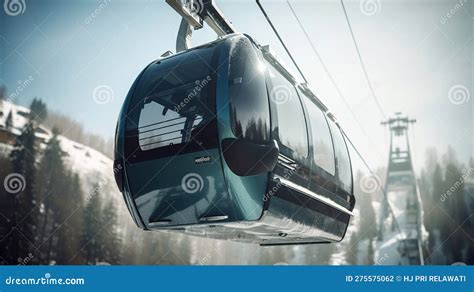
(292, 216)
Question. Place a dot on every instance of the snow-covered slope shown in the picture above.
(93, 167)
(19, 115)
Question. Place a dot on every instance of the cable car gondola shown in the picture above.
(220, 141)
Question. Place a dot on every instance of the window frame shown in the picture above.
(336, 127)
(268, 115)
(310, 136)
(132, 149)
(275, 129)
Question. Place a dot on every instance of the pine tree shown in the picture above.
(38, 110)
(352, 248)
(9, 121)
(71, 214)
(370, 253)
(368, 222)
(60, 192)
(92, 235)
(6, 214)
(456, 208)
(112, 250)
(3, 93)
(433, 217)
(49, 189)
(24, 217)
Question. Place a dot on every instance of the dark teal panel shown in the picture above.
(180, 189)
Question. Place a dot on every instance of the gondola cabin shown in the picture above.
(220, 141)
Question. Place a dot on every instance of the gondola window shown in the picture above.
(323, 152)
(342, 158)
(291, 120)
(174, 103)
(249, 109)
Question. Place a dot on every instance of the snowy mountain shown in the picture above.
(93, 167)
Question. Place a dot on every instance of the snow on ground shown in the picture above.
(19, 115)
(93, 167)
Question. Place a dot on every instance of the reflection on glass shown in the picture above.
(323, 151)
(250, 114)
(342, 158)
(291, 121)
(174, 102)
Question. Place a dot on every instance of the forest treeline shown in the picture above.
(44, 218)
(447, 198)
(68, 127)
(448, 203)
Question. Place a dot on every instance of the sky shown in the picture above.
(418, 55)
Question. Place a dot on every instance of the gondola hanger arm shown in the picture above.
(194, 13)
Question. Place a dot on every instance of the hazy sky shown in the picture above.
(415, 53)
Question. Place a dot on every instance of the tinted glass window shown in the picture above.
(291, 120)
(250, 113)
(323, 151)
(174, 103)
(342, 158)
